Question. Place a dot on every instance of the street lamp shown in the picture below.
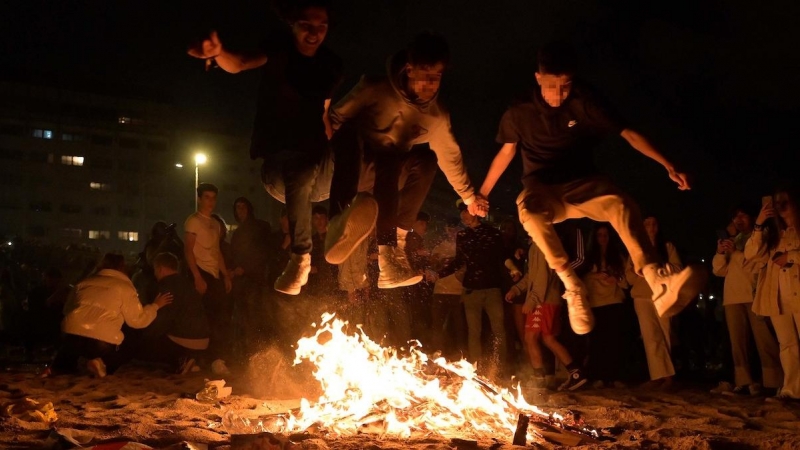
(199, 158)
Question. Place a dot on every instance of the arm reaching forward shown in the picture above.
(212, 49)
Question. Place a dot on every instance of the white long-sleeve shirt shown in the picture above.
(740, 281)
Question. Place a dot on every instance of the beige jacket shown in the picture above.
(601, 294)
(740, 280)
(387, 120)
(777, 289)
(540, 284)
(101, 304)
(639, 286)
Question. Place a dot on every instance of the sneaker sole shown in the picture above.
(359, 220)
(409, 282)
(694, 278)
(578, 385)
(287, 291)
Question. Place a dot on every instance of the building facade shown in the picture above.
(100, 169)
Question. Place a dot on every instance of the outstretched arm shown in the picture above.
(643, 146)
(228, 61)
(499, 165)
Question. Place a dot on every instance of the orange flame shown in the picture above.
(369, 388)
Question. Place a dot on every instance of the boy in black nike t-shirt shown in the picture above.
(291, 129)
(556, 130)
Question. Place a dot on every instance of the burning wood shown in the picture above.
(374, 390)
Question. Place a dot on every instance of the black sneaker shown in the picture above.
(185, 365)
(575, 380)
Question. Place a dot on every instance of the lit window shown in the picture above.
(100, 186)
(130, 236)
(124, 120)
(72, 160)
(43, 134)
(99, 234)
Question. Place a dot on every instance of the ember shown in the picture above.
(371, 389)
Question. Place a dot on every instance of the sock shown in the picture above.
(401, 238)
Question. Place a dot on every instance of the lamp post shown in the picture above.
(199, 158)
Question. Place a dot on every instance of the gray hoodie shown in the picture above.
(388, 120)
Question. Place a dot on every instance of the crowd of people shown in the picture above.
(565, 294)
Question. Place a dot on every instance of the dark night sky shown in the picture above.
(712, 83)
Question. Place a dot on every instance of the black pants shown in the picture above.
(607, 343)
(219, 309)
(402, 181)
(74, 347)
(164, 350)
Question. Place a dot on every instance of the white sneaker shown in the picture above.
(395, 271)
(581, 318)
(722, 387)
(97, 367)
(350, 228)
(295, 275)
(218, 367)
(672, 291)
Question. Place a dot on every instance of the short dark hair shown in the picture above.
(206, 187)
(112, 261)
(167, 260)
(744, 207)
(427, 49)
(557, 58)
(422, 216)
(319, 209)
(290, 10)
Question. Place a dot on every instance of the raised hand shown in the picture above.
(479, 207)
(681, 179)
(163, 299)
(207, 48)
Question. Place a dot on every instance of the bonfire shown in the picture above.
(372, 389)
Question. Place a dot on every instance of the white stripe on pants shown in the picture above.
(741, 319)
(655, 334)
(787, 327)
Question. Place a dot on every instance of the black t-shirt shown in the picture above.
(556, 143)
(291, 97)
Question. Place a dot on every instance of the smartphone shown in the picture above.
(722, 235)
(766, 199)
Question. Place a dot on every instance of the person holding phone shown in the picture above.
(740, 283)
(774, 251)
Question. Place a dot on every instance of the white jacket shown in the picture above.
(100, 304)
(778, 289)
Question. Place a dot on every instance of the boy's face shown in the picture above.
(207, 202)
(555, 88)
(241, 211)
(310, 30)
(320, 222)
(743, 222)
(424, 81)
(420, 227)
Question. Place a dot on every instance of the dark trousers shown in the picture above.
(219, 309)
(607, 343)
(164, 350)
(402, 181)
(448, 326)
(74, 347)
(254, 316)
